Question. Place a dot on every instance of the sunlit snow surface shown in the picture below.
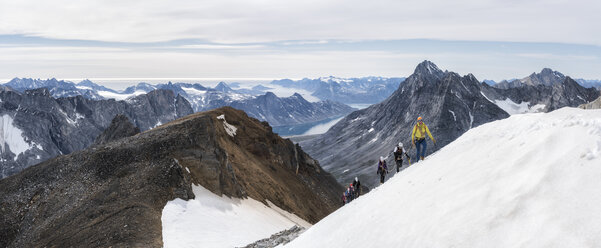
(530, 180)
(213, 221)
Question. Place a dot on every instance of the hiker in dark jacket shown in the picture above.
(351, 192)
(357, 186)
(382, 169)
(399, 151)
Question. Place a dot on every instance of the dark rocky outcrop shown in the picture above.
(120, 128)
(112, 195)
(449, 103)
(280, 238)
(508, 84)
(546, 77)
(55, 126)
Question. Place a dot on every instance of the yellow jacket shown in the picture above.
(420, 131)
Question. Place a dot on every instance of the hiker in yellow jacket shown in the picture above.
(418, 138)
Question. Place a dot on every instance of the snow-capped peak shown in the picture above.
(427, 67)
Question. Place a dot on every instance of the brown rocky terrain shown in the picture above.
(113, 194)
(120, 128)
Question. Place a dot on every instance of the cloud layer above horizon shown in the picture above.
(239, 21)
(268, 38)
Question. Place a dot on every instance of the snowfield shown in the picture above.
(213, 221)
(119, 96)
(531, 180)
(513, 108)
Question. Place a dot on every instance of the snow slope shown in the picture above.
(11, 138)
(531, 180)
(213, 221)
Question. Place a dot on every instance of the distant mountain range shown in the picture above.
(200, 97)
(547, 77)
(256, 101)
(366, 90)
(540, 92)
(589, 83)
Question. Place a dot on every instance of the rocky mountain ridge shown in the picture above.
(545, 96)
(120, 128)
(36, 126)
(449, 103)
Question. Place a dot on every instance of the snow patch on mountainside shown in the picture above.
(83, 87)
(524, 181)
(453, 113)
(13, 137)
(229, 128)
(117, 96)
(482, 93)
(195, 92)
(213, 221)
(513, 108)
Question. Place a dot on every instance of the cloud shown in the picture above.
(304, 42)
(218, 47)
(240, 21)
(549, 56)
(186, 59)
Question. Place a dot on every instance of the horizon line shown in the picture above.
(190, 78)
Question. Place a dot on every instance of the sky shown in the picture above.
(269, 39)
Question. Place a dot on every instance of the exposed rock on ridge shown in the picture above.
(120, 128)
